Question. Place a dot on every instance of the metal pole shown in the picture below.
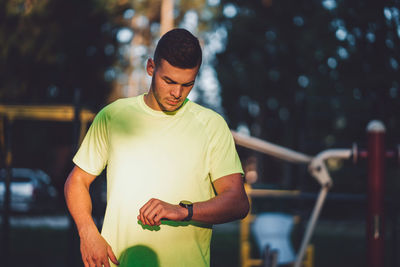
(77, 119)
(7, 195)
(167, 16)
(311, 225)
(270, 148)
(376, 181)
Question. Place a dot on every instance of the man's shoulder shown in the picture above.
(123, 102)
(118, 106)
(203, 111)
(206, 115)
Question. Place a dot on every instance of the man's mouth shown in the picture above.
(173, 102)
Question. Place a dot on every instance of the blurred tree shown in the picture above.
(310, 74)
(49, 48)
(144, 18)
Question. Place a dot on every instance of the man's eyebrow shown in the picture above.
(166, 78)
(189, 83)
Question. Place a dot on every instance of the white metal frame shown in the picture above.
(316, 167)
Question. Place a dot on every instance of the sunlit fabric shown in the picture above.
(152, 154)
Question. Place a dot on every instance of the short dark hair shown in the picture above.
(180, 48)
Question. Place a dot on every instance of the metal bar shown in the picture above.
(245, 233)
(270, 149)
(318, 169)
(311, 225)
(7, 196)
(273, 193)
(166, 16)
(50, 113)
(376, 181)
(335, 153)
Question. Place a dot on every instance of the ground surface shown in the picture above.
(43, 241)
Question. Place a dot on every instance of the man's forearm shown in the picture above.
(78, 201)
(225, 207)
(94, 248)
(231, 203)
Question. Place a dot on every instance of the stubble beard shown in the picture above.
(158, 98)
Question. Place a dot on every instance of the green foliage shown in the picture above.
(290, 52)
(311, 74)
(49, 48)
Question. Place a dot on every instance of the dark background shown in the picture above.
(308, 75)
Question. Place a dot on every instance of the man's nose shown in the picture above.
(177, 91)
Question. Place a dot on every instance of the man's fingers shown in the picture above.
(98, 263)
(111, 255)
(105, 263)
(146, 219)
(145, 215)
(142, 212)
(159, 213)
(142, 219)
(90, 262)
(147, 210)
(151, 213)
(157, 218)
(154, 210)
(100, 260)
(85, 263)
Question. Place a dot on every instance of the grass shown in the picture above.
(337, 243)
(38, 247)
(225, 245)
(340, 244)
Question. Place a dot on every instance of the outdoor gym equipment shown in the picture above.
(317, 168)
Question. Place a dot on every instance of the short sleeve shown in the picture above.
(224, 159)
(93, 153)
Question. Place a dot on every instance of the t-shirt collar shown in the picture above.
(160, 113)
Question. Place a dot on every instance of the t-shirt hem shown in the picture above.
(226, 174)
(86, 169)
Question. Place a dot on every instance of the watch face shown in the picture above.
(186, 202)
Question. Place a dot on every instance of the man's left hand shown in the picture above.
(154, 210)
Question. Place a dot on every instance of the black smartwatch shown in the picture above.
(189, 206)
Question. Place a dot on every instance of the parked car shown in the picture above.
(30, 190)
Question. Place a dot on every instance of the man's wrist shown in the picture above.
(184, 212)
(87, 229)
(189, 207)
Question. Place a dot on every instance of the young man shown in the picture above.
(172, 170)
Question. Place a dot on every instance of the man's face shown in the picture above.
(169, 85)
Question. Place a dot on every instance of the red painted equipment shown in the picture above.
(376, 191)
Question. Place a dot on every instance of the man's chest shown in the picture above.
(165, 160)
(167, 148)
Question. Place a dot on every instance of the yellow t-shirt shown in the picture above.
(170, 156)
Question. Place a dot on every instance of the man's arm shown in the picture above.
(229, 204)
(94, 249)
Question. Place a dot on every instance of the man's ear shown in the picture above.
(150, 67)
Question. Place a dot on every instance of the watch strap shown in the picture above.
(189, 206)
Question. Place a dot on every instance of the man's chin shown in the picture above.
(171, 108)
